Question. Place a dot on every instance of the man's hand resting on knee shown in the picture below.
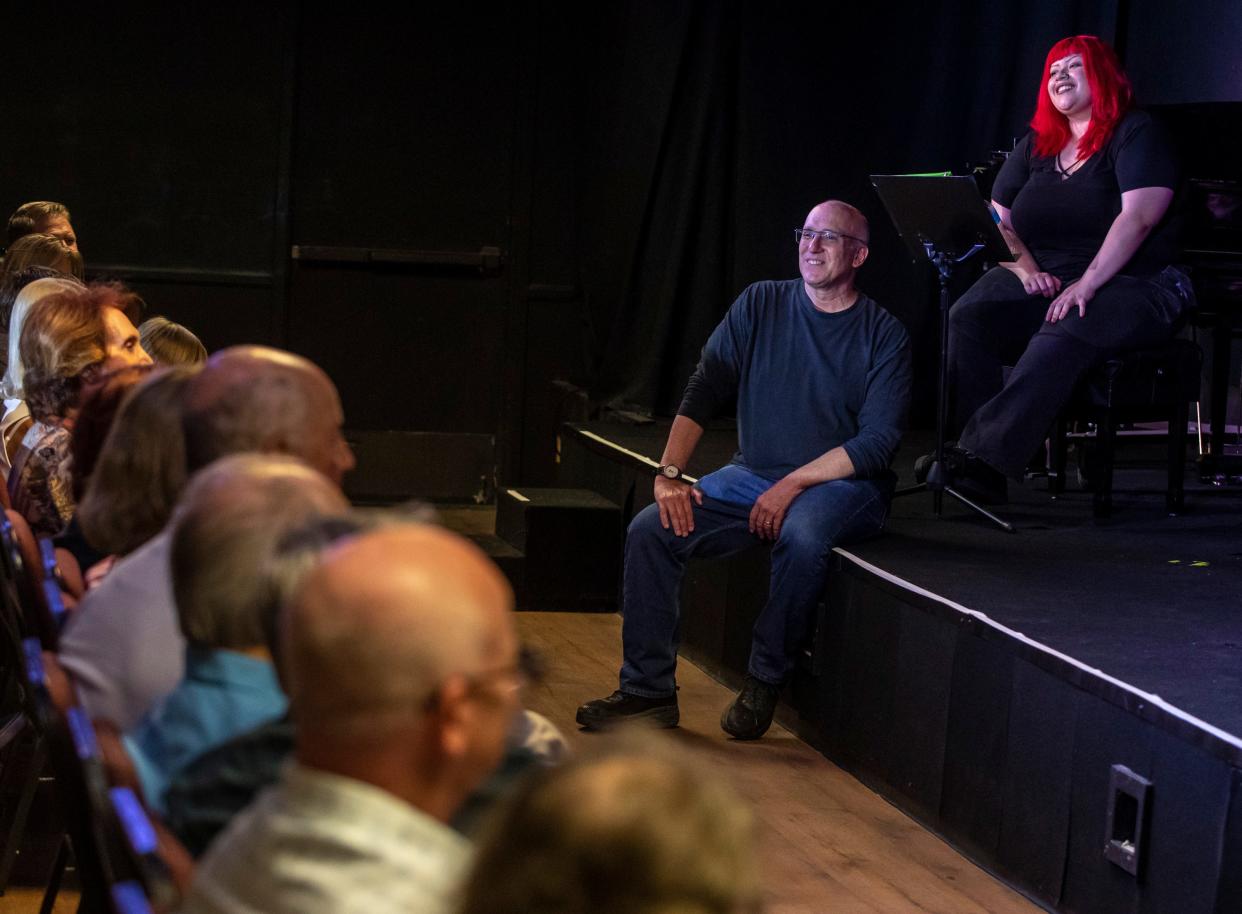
(673, 499)
(769, 511)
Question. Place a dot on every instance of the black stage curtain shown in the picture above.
(705, 131)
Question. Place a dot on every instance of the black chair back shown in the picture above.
(52, 595)
(141, 850)
(38, 618)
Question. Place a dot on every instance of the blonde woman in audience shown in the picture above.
(44, 251)
(638, 830)
(68, 340)
(17, 419)
(171, 344)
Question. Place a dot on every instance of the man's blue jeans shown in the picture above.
(822, 517)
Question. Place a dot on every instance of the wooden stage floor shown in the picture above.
(828, 843)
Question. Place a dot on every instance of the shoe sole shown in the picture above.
(655, 717)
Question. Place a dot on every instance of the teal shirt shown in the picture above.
(223, 694)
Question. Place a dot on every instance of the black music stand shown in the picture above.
(943, 219)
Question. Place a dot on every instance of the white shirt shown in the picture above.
(318, 842)
(123, 645)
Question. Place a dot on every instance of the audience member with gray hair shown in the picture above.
(232, 518)
(401, 661)
(213, 789)
(209, 792)
(637, 829)
(123, 647)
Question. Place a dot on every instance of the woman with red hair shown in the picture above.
(1083, 201)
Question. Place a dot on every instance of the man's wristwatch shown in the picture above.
(670, 471)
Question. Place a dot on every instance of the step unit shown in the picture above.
(571, 540)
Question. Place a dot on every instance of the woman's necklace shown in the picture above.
(1073, 166)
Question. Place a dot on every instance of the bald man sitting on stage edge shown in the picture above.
(401, 661)
(821, 374)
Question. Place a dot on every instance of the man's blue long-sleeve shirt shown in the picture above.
(806, 381)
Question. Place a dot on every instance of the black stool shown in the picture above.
(1142, 385)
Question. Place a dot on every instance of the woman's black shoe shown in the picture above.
(969, 475)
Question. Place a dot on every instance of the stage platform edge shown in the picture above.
(1009, 749)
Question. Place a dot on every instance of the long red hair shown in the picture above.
(1111, 98)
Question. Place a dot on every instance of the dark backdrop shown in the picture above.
(449, 209)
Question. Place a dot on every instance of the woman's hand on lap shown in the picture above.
(1040, 283)
(1075, 295)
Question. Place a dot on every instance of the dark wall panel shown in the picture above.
(916, 746)
(869, 677)
(976, 746)
(159, 128)
(404, 140)
(409, 351)
(1190, 805)
(404, 127)
(1035, 792)
(1184, 53)
(1229, 897)
(220, 315)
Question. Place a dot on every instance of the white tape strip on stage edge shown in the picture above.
(642, 458)
(1145, 696)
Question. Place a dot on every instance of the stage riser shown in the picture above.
(571, 543)
(1003, 747)
(1009, 762)
(580, 467)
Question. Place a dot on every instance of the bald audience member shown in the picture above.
(232, 519)
(122, 647)
(402, 663)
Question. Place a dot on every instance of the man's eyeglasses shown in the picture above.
(528, 668)
(503, 680)
(827, 236)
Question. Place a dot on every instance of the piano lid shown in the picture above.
(1214, 217)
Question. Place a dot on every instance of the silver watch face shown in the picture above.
(670, 471)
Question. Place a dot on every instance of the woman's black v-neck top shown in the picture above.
(1063, 220)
